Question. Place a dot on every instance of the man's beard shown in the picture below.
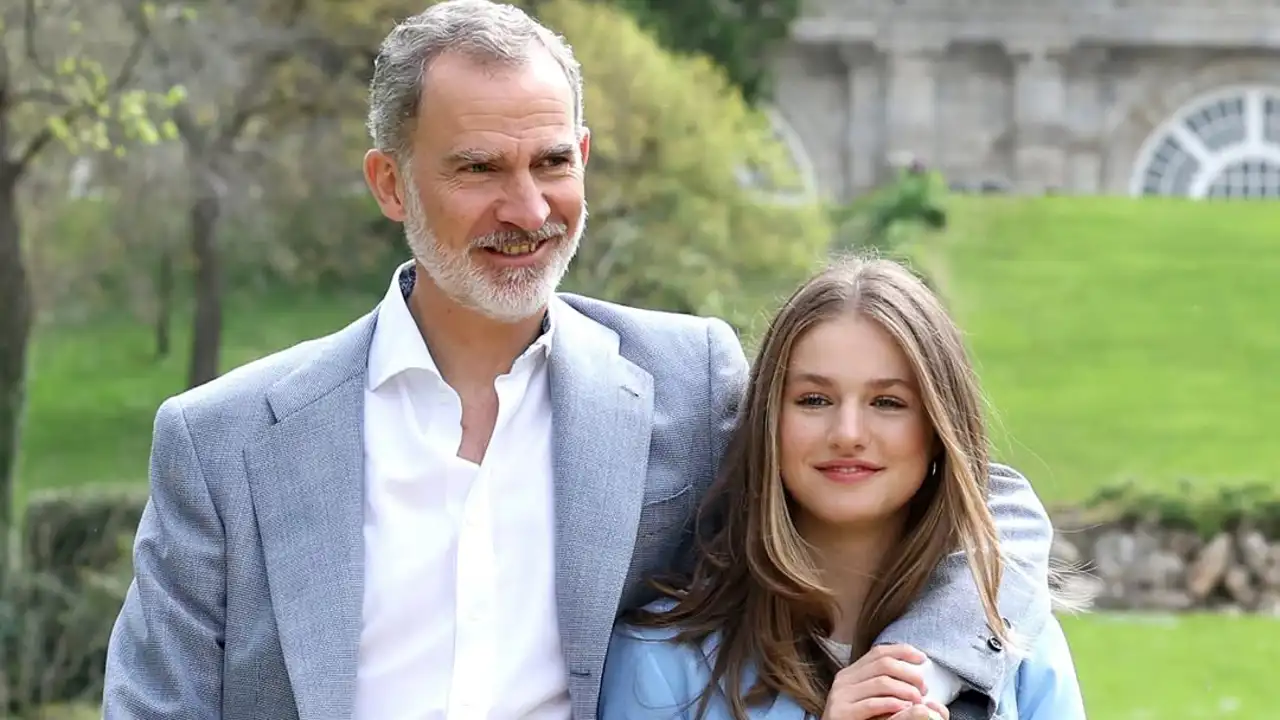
(503, 294)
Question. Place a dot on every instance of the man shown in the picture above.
(439, 510)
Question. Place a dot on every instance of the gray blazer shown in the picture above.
(248, 582)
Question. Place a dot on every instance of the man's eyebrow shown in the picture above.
(560, 150)
(472, 156)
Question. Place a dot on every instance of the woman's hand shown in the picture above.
(887, 682)
(931, 710)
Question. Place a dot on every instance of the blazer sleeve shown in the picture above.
(727, 373)
(645, 678)
(164, 655)
(1047, 686)
(947, 622)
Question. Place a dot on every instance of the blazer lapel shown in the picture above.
(306, 481)
(602, 412)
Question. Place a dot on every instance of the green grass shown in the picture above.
(1120, 339)
(1184, 667)
(1116, 339)
(94, 389)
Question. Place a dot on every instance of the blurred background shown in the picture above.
(1087, 183)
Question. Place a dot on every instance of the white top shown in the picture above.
(460, 599)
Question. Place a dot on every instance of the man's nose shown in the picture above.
(524, 205)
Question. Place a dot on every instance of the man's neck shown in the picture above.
(468, 347)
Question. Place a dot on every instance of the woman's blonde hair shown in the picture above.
(754, 580)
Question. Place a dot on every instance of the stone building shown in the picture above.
(1169, 97)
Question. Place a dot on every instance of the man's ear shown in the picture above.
(382, 175)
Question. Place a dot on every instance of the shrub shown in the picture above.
(53, 636)
(1205, 512)
(65, 531)
(58, 608)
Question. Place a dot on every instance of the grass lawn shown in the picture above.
(94, 389)
(1121, 339)
(1184, 667)
(1116, 340)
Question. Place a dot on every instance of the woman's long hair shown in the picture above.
(754, 580)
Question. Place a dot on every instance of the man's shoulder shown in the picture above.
(240, 394)
(657, 333)
(640, 320)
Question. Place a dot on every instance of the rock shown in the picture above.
(1209, 567)
(1254, 551)
(1269, 604)
(1115, 552)
(1239, 585)
(1183, 542)
(1139, 565)
(1064, 550)
(1271, 578)
(1161, 570)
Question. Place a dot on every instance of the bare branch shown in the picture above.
(38, 95)
(6, 95)
(260, 75)
(122, 79)
(29, 39)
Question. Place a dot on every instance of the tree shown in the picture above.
(738, 34)
(252, 69)
(58, 86)
(693, 201)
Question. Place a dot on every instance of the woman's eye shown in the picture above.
(888, 403)
(812, 401)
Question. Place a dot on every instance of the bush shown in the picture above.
(65, 531)
(57, 611)
(1207, 513)
(53, 636)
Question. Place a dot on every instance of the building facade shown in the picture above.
(1168, 97)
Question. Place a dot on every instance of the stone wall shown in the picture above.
(1152, 566)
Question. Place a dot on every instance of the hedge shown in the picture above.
(67, 530)
(58, 609)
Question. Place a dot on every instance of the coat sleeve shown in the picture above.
(164, 656)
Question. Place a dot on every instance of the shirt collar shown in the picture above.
(397, 343)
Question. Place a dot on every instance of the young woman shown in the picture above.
(860, 463)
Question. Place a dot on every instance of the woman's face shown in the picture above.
(854, 437)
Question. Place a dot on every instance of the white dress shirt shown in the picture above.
(460, 597)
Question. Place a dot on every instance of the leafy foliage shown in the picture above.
(736, 34)
(884, 218)
(684, 181)
(61, 82)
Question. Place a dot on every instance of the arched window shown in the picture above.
(791, 143)
(1222, 145)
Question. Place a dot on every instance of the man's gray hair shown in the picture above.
(484, 31)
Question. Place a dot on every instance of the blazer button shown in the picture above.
(994, 643)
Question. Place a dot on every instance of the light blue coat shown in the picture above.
(648, 677)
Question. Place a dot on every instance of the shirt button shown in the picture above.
(994, 643)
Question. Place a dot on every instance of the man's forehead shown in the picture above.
(455, 77)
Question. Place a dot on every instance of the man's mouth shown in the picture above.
(518, 249)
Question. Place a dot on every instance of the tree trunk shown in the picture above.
(15, 330)
(164, 303)
(206, 208)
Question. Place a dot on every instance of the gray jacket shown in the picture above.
(248, 583)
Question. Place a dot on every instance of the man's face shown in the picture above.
(494, 198)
